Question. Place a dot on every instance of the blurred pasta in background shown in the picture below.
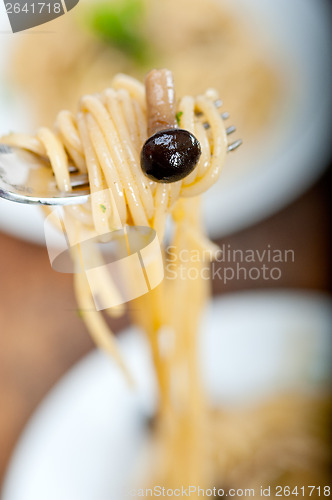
(203, 44)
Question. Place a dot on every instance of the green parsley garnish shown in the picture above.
(103, 208)
(120, 24)
(79, 313)
(178, 116)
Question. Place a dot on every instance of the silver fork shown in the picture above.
(28, 178)
(21, 173)
(229, 130)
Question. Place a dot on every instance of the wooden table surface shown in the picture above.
(42, 336)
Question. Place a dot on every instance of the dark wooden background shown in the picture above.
(41, 335)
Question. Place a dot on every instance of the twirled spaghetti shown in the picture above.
(104, 138)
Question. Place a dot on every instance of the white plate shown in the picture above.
(290, 155)
(262, 177)
(82, 442)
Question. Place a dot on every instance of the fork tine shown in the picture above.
(224, 116)
(234, 145)
(72, 169)
(230, 130)
(79, 180)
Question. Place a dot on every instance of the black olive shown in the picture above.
(170, 155)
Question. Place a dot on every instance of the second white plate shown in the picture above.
(83, 441)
